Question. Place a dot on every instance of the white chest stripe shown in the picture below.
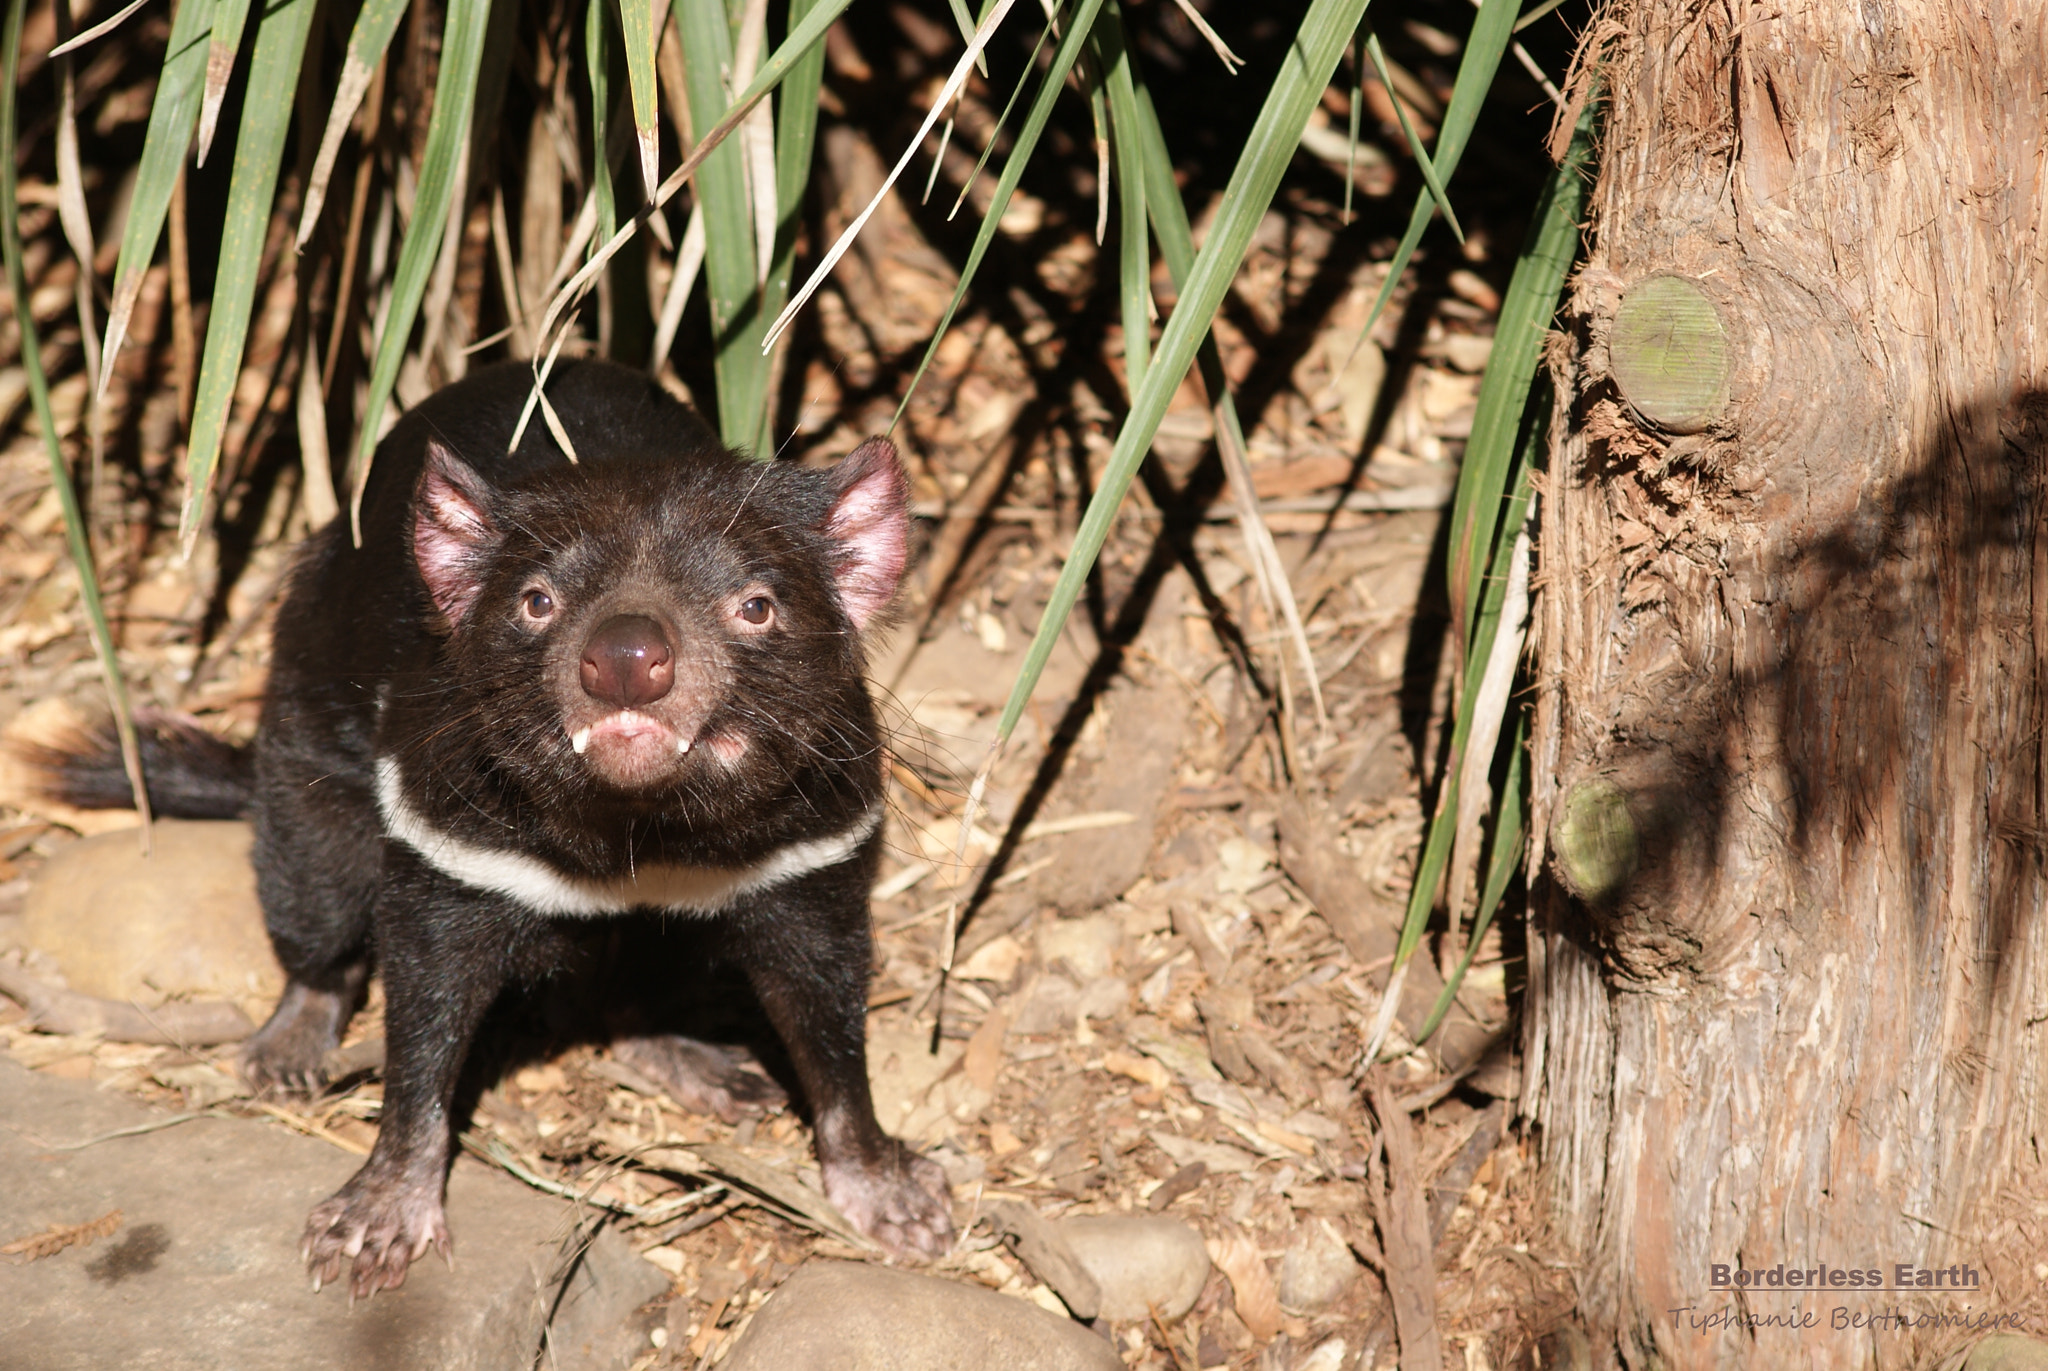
(548, 890)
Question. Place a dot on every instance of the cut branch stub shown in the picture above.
(1596, 841)
(1672, 354)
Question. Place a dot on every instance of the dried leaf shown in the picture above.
(59, 1236)
(1404, 1238)
(984, 1055)
(1251, 1284)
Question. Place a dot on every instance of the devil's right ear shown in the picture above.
(452, 532)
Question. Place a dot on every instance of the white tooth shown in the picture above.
(580, 739)
(682, 746)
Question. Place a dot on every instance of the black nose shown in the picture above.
(628, 662)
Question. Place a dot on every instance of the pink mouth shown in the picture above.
(630, 731)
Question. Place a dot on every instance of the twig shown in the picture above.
(133, 1130)
(201, 1022)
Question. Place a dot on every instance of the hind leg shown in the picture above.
(700, 1076)
(318, 853)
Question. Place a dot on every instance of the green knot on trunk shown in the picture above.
(1669, 352)
(1596, 841)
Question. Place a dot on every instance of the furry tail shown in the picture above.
(189, 773)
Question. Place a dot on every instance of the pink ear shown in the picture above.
(870, 521)
(450, 531)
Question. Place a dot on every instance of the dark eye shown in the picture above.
(537, 605)
(757, 610)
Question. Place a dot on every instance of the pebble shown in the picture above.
(995, 960)
(1317, 1270)
(847, 1316)
(1139, 1262)
(1088, 946)
(181, 921)
(1052, 1003)
(1327, 1357)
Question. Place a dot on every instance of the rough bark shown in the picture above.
(1786, 1002)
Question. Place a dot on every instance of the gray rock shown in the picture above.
(1139, 1262)
(181, 921)
(845, 1316)
(2008, 1352)
(1051, 1003)
(203, 1270)
(1103, 998)
(1316, 1270)
(1087, 945)
(1048, 1005)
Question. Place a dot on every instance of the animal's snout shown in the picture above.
(628, 662)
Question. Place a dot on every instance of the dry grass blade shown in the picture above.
(954, 81)
(77, 225)
(1489, 709)
(1203, 278)
(689, 261)
(171, 116)
(757, 135)
(732, 248)
(1231, 61)
(965, 22)
(1081, 21)
(447, 145)
(280, 43)
(120, 17)
(75, 535)
(802, 37)
(783, 1192)
(310, 411)
(375, 24)
(1275, 591)
(228, 18)
(59, 1236)
(796, 137)
(1486, 523)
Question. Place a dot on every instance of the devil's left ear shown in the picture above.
(869, 523)
(452, 533)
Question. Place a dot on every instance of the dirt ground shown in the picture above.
(1176, 892)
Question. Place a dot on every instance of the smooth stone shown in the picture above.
(181, 921)
(203, 1269)
(1140, 1262)
(848, 1316)
(2008, 1352)
(1317, 1270)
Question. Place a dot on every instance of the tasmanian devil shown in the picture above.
(543, 692)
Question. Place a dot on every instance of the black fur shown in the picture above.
(468, 694)
(188, 772)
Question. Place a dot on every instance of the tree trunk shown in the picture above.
(1786, 1002)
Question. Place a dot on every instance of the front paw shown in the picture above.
(375, 1228)
(901, 1201)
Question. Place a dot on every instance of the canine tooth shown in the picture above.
(580, 740)
(682, 746)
